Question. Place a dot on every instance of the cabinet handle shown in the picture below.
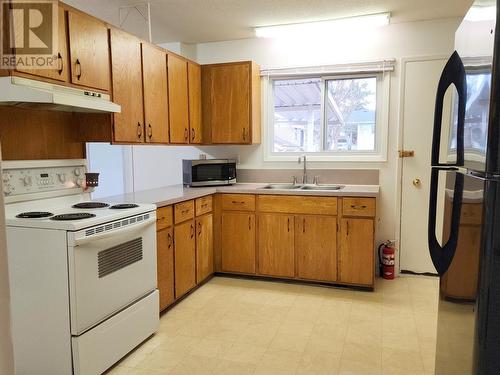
(186, 134)
(184, 212)
(150, 131)
(193, 136)
(199, 229)
(139, 130)
(249, 223)
(244, 134)
(347, 229)
(79, 66)
(204, 205)
(169, 236)
(192, 230)
(61, 63)
(289, 224)
(358, 207)
(303, 225)
(237, 202)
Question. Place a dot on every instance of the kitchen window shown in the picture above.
(328, 117)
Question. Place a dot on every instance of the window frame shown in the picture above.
(381, 120)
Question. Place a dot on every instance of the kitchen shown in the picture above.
(274, 269)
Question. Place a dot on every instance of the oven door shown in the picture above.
(213, 173)
(110, 267)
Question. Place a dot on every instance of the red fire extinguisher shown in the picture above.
(386, 252)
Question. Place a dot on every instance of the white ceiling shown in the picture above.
(197, 21)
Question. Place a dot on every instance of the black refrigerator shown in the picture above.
(464, 209)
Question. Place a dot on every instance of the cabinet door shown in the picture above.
(229, 101)
(194, 91)
(276, 245)
(165, 266)
(238, 242)
(204, 247)
(316, 247)
(185, 261)
(178, 99)
(356, 263)
(126, 73)
(61, 70)
(89, 51)
(154, 70)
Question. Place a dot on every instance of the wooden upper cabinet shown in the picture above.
(154, 68)
(165, 266)
(126, 73)
(89, 51)
(231, 103)
(194, 91)
(276, 245)
(61, 72)
(316, 247)
(178, 99)
(238, 242)
(356, 255)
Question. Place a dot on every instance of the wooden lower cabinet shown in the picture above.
(165, 266)
(276, 245)
(238, 242)
(204, 247)
(356, 255)
(316, 247)
(185, 257)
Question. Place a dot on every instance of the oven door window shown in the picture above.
(213, 172)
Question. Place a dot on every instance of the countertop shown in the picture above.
(168, 195)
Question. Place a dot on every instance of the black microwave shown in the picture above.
(209, 172)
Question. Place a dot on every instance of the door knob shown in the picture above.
(417, 182)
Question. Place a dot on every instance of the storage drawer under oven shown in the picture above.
(110, 269)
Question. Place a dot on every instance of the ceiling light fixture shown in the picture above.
(323, 27)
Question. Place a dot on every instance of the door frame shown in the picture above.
(400, 142)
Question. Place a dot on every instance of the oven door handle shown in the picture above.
(121, 231)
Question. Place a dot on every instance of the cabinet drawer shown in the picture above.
(358, 207)
(238, 202)
(203, 205)
(298, 204)
(183, 211)
(164, 217)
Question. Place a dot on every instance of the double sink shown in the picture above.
(319, 187)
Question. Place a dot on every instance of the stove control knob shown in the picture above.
(8, 189)
(79, 182)
(27, 180)
(77, 171)
(6, 177)
(62, 177)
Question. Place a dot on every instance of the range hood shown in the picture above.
(28, 93)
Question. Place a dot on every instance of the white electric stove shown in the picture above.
(82, 272)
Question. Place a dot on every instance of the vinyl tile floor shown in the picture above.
(249, 327)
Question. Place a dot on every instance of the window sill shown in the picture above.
(358, 158)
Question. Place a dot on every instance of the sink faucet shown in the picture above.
(304, 175)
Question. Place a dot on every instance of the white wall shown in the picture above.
(427, 38)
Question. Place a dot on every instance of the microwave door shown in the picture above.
(213, 174)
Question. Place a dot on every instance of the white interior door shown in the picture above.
(420, 84)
